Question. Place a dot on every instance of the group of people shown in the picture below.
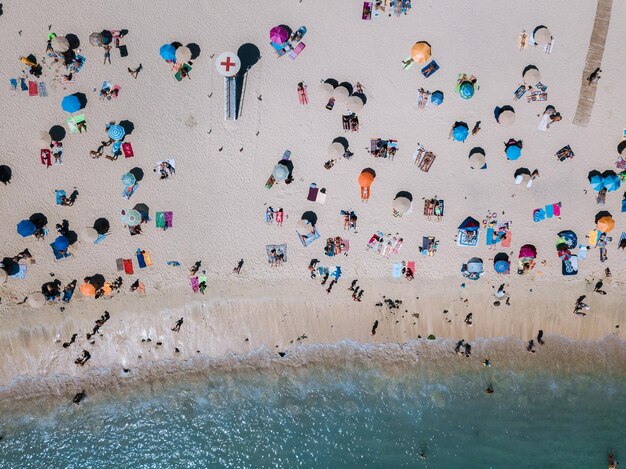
(433, 207)
(385, 249)
(357, 292)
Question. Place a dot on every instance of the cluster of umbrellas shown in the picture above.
(343, 93)
(29, 226)
(608, 180)
(566, 242)
(93, 284)
(100, 39)
(63, 44)
(605, 222)
(176, 52)
(74, 102)
(100, 227)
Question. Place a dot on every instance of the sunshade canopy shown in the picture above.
(420, 52)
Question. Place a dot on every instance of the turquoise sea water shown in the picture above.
(355, 417)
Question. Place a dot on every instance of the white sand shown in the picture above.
(219, 199)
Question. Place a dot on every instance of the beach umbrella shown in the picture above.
(606, 224)
(280, 172)
(501, 266)
(336, 150)
(460, 132)
(477, 158)
(57, 133)
(621, 146)
(36, 300)
(326, 89)
(596, 180)
(71, 103)
(475, 265)
(102, 226)
(610, 181)
(366, 178)
(10, 266)
(420, 52)
(437, 97)
(355, 103)
(87, 289)
(466, 90)
(116, 132)
(61, 243)
(128, 179)
(5, 173)
(279, 34)
(168, 52)
(531, 75)
(513, 152)
(89, 234)
(26, 228)
(528, 250)
(60, 44)
(341, 94)
(542, 35)
(107, 36)
(137, 172)
(106, 289)
(96, 39)
(183, 55)
(3, 276)
(570, 238)
(132, 218)
(304, 226)
(401, 205)
(97, 280)
(507, 118)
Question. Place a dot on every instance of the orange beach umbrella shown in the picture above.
(606, 224)
(87, 289)
(420, 52)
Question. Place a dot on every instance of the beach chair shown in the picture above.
(293, 55)
(367, 11)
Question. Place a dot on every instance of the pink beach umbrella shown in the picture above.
(278, 34)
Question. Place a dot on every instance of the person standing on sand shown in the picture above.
(107, 54)
(237, 269)
(531, 346)
(134, 73)
(176, 327)
(540, 337)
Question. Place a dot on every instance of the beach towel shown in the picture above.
(179, 75)
(410, 64)
(336, 273)
(308, 238)
(321, 197)
(194, 284)
(119, 264)
(20, 274)
(127, 149)
(569, 266)
(33, 89)
(293, 55)
(313, 190)
(346, 244)
(538, 215)
(160, 220)
(411, 266)
(23, 85)
(506, 241)
(58, 254)
(141, 259)
(429, 69)
(13, 83)
(367, 11)
(169, 219)
(624, 205)
(490, 239)
(46, 157)
(464, 239)
(549, 210)
(556, 209)
(127, 266)
(543, 124)
(67, 295)
(147, 258)
(42, 89)
(279, 216)
(128, 192)
(593, 237)
(59, 194)
(396, 270)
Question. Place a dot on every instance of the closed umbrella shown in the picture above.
(96, 39)
(128, 179)
(507, 118)
(401, 205)
(466, 90)
(132, 218)
(336, 150)
(596, 181)
(420, 52)
(279, 34)
(116, 132)
(60, 44)
(87, 289)
(183, 55)
(531, 75)
(341, 94)
(168, 52)
(460, 132)
(606, 224)
(89, 234)
(26, 228)
(280, 172)
(354, 103)
(36, 300)
(71, 103)
(542, 35)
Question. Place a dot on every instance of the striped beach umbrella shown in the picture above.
(128, 179)
(117, 132)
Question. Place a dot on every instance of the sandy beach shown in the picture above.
(219, 199)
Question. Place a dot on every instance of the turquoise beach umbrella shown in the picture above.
(460, 132)
(611, 181)
(466, 90)
(167, 52)
(513, 152)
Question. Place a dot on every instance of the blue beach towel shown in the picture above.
(489, 239)
(59, 194)
(396, 271)
(21, 274)
(337, 273)
(549, 210)
(13, 82)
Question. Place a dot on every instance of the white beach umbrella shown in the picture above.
(336, 150)
(89, 234)
(401, 205)
(542, 36)
(326, 89)
(36, 300)
(341, 94)
(354, 103)
(532, 76)
(477, 160)
(183, 54)
(507, 118)
(60, 44)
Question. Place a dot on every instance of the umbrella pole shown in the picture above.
(230, 98)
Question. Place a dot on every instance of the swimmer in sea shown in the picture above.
(421, 454)
(489, 389)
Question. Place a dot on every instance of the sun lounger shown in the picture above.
(293, 55)
(194, 284)
(313, 190)
(141, 259)
(396, 270)
(33, 89)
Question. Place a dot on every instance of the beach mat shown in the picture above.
(33, 88)
(396, 270)
(128, 266)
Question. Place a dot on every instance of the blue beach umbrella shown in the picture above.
(26, 228)
(569, 237)
(513, 152)
(117, 132)
(596, 180)
(280, 172)
(128, 179)
(460, 132)
(168, 52)
(610, 181)
(437, 97)
(466, 90)
(501, 266)
(71, 103)
(61, 243)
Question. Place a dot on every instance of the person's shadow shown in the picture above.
(249, 54)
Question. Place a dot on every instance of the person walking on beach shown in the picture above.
(358, 297)
(330, 287)
(176, 327)
(594, 77)
(531, 346)
(107, 54)
(134, 73)
(457, 347)
(353, 284)
(540, 340)
(78, 397)
(598, 288)
(468, 350)
(237, 269)
(194, 269)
